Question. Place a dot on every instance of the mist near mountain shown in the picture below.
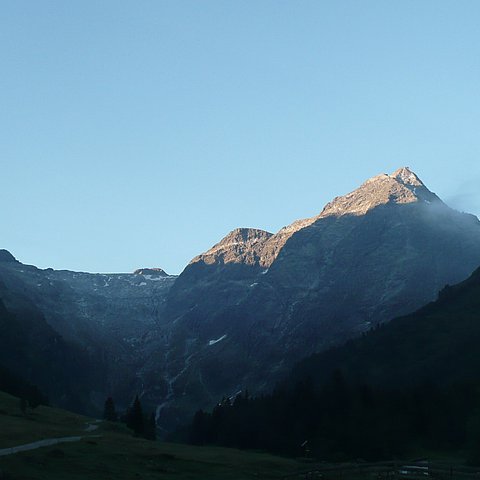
(465, 197)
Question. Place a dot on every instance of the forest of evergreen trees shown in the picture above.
(18, 387)
(405, 388)
(142, 425)
(340, 421)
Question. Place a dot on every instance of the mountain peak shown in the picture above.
(6, 256)
(258, 247)
(151, 271)
(244, 235)
(242, 245)
(401, 187)
(407, 177)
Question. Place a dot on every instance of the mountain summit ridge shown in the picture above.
(401, 187)
(407, 177)
(378, 252)
(258, 247)
(244, 311)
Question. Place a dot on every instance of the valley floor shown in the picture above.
(51, 444)
(112, 453)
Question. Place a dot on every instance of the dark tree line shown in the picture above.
(14, 385)
(408, 386)
(341, 421)
(141, 424)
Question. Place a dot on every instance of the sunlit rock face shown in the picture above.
(380, 251)
(242, 245)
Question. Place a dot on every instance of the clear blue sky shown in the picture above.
(138, 133)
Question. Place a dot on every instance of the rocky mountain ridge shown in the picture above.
(109, 317)
(242, 313)
(253, 246)
(380, 251)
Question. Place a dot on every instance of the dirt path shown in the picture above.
(91, 427)
(40, 443)
(47, 442)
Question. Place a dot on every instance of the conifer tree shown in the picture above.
(135, 417)
(35, 398)
(109, 412)
(23, 405)
(198, 428)
(150, 432)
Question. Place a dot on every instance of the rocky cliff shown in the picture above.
(244, 311)
(109, 318)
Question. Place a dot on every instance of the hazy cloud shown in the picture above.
(466, 197)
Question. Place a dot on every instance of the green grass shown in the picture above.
(43, 422)
(111, 452)
(116, 454)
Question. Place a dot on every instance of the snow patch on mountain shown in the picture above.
(213, 342)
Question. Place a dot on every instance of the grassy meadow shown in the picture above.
(111, 452)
